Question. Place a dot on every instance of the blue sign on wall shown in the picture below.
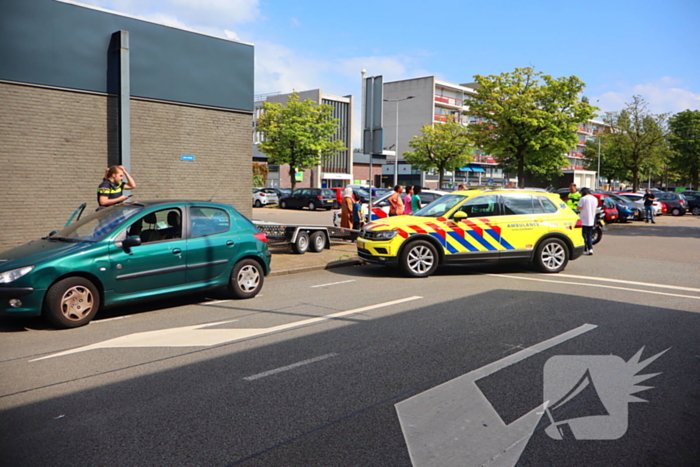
(187, 158)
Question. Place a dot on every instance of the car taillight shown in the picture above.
(579, 224)
(320, 197)
(261, 236)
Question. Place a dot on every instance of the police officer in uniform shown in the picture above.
(111, 189)
(574, 196)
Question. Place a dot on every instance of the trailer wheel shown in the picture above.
(301, 244)
(317, 241)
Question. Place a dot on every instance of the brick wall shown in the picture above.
(56, 144)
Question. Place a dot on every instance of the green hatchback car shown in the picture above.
(132, 252)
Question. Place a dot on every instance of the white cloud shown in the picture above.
(664, 95)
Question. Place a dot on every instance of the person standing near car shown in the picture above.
(407, 200)
(587, 206)
(415, 199)
(396, 202)
(346, 209)
(649, 199)
(574, 197)
(110, 191)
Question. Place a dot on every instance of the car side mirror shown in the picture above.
(53, 232)
(132, 241)
(459, 216)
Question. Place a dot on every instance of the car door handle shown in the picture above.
(229, 243)
(177, 251)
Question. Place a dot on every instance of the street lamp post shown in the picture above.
(597, 180)
(396, 146)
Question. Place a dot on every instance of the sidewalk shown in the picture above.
(340, 254)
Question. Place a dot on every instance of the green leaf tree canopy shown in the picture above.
(636, 141)
(299, 134)
(440, 146)
(685, 142)
(527, 120)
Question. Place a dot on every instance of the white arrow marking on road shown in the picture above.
(454, 424)
(199, 336)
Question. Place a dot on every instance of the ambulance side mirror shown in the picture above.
(459, 216)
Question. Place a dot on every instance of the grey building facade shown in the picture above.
(82, 89)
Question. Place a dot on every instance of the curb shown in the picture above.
(332, 265)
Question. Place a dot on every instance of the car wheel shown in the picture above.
(317, 241)
(597, 234)
(552, 256)
(696, 211)
(71, 302)
(258, 204)
(419, 259)
(301, 244)
(246, 279)
(283, 205)
(312, 206)
(676, 212)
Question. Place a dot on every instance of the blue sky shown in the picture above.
(619, 48)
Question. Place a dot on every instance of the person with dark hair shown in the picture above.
(586, 207)
(111, 189)
(573, 198)
(396, 202)
(649, 206)
(407, 200)
(415, 199)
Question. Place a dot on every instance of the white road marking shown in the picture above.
(199, 336)
(595, 285)
(645, 284)
(454, 424)
(215, 302)
(289, 367)
(332, 283)
(108, 319)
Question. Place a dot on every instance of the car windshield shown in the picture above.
(362, 192)
(95, 227)
(440, 206)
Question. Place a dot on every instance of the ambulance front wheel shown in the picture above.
(418, 259)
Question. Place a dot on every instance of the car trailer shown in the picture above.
(304, 237)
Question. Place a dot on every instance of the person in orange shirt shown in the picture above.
(396, 202)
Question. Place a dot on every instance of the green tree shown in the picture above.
(300, 134)
(527, 120)
(609, 168)
(685, 142)
(636, 140)
(440, 146)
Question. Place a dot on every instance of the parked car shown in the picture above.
(380, 206)
(693, 199)
(609, 209)
(264, 196)
(637, 198)
(626, 208)
(131, 252)
(675, 203)
(477, 226)
(312, 198)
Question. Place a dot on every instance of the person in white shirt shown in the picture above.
(586, 207)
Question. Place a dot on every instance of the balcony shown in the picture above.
(453, 101)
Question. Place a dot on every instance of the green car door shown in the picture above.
(212, 245)
(159, 262)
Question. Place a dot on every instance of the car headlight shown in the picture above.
(14, 274)
(384, 234)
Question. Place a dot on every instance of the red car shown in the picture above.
(608, 206)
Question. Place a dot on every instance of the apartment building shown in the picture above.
(425, 101)
(334, 172)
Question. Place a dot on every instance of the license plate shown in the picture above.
(360, 244)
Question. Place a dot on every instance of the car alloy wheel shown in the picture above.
(676, 212)
(258, 203)
(283, 205)
(696, 211)
(419, 259)
(552, 256)
(312, 206)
